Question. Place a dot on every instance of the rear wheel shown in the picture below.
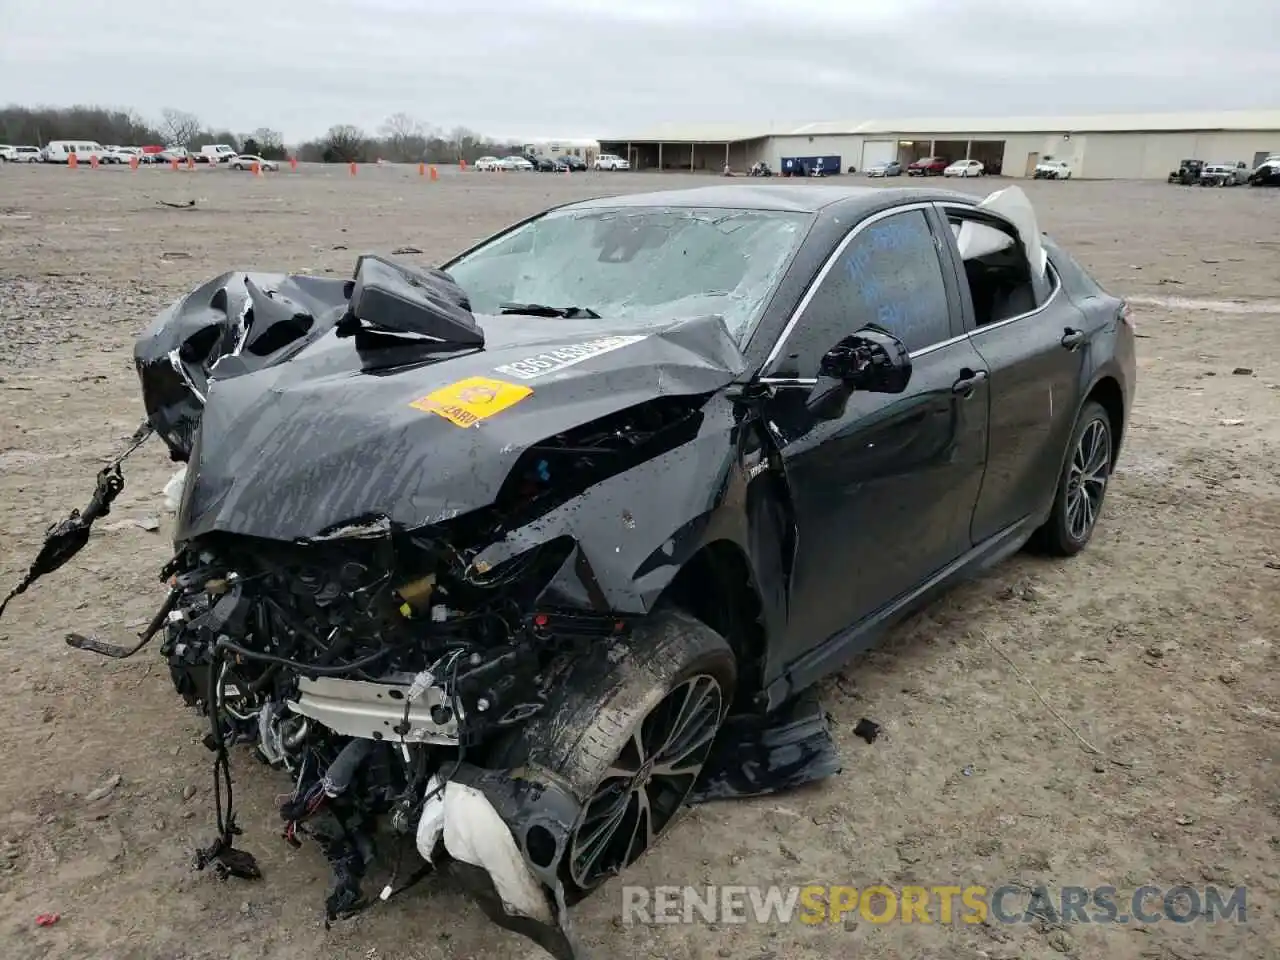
(1082, 485)
(629, 735)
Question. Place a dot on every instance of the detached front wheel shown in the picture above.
(629, 734)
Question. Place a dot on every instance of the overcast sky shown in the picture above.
(600, 68)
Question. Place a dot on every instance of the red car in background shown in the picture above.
(927, 167)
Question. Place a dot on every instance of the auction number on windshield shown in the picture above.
(469, 401)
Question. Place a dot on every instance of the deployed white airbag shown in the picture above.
(475, 834)
(1012, 204)
(173, 490)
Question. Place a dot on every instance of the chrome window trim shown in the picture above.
(943, 205)
(830, 263)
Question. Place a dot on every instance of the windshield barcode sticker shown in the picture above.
(561, 357)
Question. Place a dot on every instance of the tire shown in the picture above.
(611, 699)
(1063, 535)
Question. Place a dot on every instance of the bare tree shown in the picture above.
(269, 143)
(403, 138)
(179, 127)
(463, 141)
(344, 143)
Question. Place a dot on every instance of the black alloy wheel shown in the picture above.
(1082, 485)
(628, 734)
(1087, 478)
(648, 782)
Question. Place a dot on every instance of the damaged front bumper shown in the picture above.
(506, 836)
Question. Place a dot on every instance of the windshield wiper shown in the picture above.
(540, 310)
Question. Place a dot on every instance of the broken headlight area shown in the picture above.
(367, 665)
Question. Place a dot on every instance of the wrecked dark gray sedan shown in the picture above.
(504, 563)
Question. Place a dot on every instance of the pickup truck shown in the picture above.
(1224, 174)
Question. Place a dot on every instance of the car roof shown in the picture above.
(806, 198)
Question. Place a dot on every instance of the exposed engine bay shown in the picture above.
(364, 668)
(380, 626)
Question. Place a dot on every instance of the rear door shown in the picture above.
(1034, 342)
(883, 494)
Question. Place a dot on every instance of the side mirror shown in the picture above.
(871, 360)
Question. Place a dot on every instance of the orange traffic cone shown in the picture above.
(353, 168)
(434, 174)
(293, 164)
(72, 161)
(93, 162)
(422, 169)
(256, 169)
(133, 163)
(174, 163)
(462, 164)
(191, 162)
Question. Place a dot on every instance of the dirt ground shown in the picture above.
(1158, 644)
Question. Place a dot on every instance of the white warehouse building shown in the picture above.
(1121, 146)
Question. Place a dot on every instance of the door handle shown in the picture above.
(1072, 338)
(968, 382)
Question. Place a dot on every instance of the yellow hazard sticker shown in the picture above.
(469, 401)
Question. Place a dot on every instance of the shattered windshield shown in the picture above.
(635, 263)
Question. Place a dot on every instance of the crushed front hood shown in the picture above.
(290, 450)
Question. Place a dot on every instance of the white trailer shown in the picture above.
(587, 150)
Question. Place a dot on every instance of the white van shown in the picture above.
(217, 153)
(60, 151)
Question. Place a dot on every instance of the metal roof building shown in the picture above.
(1118, 146)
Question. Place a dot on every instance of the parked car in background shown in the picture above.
(245, 161)
(965, 168)
(116, 154)
(927, 167)
(1052, 170)
(515, 162)
(1188, 172)
(216, 153)
(1267, 173)
(170, 154)
(609, 161)
(23, 154)
(541, 164)
(885, 168)
(486, 164)
(61, 151)
(1224, 174)
(575, 164)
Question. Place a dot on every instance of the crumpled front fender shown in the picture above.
(507, 833)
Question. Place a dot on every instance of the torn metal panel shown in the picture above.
(645, 521)
(285, 450)
(757, 755)
(515, 826)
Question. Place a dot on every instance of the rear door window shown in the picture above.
(997, 273)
